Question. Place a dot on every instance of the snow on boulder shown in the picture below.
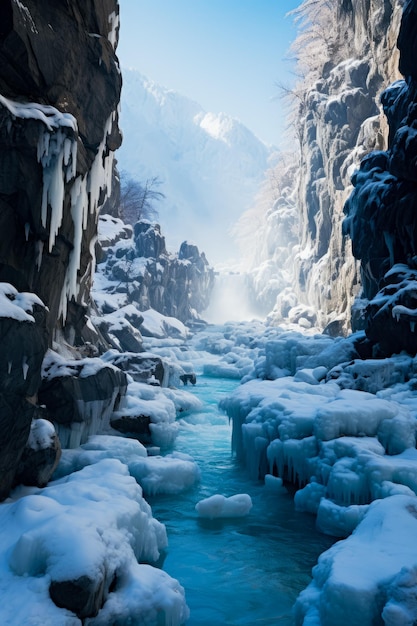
(41, 454)
(171, 473)
(157, 408)
(80, 395)
(219, 506)
(160, 326)
(111, 230)
(371, 577)
(87, 531)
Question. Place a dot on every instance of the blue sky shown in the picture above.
(228, 55)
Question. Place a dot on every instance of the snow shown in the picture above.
(157, 325)
(156, 474)
(49, 115)
(219, 506)
(42, 434)
(372, 572)
(341, 429)
(205, 160)
(95, 523)
(17, 305)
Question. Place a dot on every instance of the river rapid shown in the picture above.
(242, 571)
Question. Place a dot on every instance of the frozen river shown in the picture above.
(238, 571)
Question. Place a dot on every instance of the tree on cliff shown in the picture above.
(137, 200)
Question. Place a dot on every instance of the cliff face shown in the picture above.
(347, 55)
(381, 212)
(137, 269)
(59, 91)
(60, 87)
(339, 123)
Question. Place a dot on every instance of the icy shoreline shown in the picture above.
(304, 413)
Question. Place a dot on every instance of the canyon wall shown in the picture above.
(347, 55)
(60, 88)
(59, 92)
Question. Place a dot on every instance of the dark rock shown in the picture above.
(407, 40)
(137, 426)
(23, 345)
(148, 239)
(143, 368)
(394, 332)
(382, 213)
(44, 50)
(174, 285)
(188, 378)
(15, 419)
(80, 405)
(83, 596)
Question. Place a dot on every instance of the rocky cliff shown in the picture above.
(60, 87)
(347, 55)
(136, 269)
(59, 92)
(381, 213)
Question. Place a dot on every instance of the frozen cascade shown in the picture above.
(86, 197)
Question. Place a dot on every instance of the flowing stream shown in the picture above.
(236, 571)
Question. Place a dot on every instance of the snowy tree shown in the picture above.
(137, 200)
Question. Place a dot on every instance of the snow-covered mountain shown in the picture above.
(210, 164)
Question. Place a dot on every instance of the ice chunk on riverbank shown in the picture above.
(219, 506)
(172, 473)
(156, 474)
(372, 573)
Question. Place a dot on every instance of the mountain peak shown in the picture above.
(210, 164)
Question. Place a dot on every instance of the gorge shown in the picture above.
(108, 365)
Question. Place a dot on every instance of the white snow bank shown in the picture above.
(219, 506)
(157, 325)
(92, 523)
(172, 473)
(372, 573)
(156, 474)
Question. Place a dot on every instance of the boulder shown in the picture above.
(80, 396)
(134, 426)
(40, 455)
(83, 596)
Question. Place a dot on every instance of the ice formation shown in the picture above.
(93, 523)
(219, 506)
(345, 435)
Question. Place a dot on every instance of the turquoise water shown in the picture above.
(237, 571)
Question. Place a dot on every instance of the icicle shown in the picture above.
(27, 230)
(25, 367)
(9, 367)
